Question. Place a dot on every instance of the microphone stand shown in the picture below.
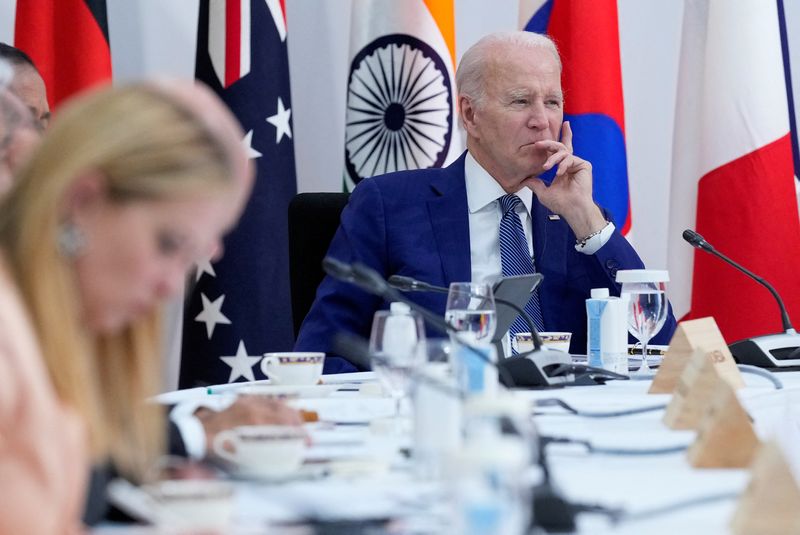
(371, 281)
(536, 368)
(407, 284)
(769, 351)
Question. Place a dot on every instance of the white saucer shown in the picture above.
(304, 472)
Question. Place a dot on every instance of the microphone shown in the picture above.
(338, 269)
(371, 282)
(536, 368)
(409, 284)
(769, 351)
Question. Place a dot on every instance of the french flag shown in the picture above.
(587, 37)
(733, 177)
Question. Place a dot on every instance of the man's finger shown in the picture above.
(565, 165)
(566, 135)
(555, 158)
(550, 145)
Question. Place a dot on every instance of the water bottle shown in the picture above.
(473, 369)
(607, 331)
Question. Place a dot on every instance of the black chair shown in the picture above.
(313, 220)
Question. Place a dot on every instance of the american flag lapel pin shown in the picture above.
(553, 217)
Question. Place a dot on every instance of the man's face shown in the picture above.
(523, 104)
(19, 134)
(29, 87)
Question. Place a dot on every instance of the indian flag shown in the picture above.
(401, 99)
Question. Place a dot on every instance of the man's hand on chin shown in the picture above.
(570, 193)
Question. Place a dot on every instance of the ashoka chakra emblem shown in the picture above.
(399, 108)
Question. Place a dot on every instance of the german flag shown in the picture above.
(68, 41)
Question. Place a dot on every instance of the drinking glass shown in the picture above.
(647, 308)
(471, 311)
(393, 343)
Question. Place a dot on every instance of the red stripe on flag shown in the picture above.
(747, 209)
(589, 26)
(65, 43)
(233, 38)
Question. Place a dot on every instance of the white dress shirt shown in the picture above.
(485, 214)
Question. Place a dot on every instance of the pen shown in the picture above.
(223, 389)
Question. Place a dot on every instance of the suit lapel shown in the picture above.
(449, 218)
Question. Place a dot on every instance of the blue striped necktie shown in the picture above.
(516, 259)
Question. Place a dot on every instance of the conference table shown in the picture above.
(367, 476)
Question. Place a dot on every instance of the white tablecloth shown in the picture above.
(634, 483)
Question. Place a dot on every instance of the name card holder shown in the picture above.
(769, 504)
(691, 335)
(725, 437)
(693, 392)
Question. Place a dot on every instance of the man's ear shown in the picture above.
(467, 111)
(86, 193)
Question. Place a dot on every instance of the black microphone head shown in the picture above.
(405, 284)
(695, 239)
(338, 269)
(370, 280)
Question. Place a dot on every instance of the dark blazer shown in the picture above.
(416, 223)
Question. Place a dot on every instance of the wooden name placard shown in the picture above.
(725, 436)
(692, 335)
(693, 392)
(771, 503)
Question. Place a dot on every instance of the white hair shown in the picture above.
(6, 73)
(470, 75)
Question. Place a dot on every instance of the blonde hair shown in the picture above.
(149, 146)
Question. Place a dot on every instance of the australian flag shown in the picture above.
(239, 307)
(587, 36)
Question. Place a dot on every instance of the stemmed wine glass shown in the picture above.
(393, 343)
(647, 308)
(471, 311)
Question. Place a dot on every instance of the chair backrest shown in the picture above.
(313, 220)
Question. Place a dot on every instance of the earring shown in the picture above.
(71, 240)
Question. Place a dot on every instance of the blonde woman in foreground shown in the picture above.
(128, 189)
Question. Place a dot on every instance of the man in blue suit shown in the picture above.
(443, 225)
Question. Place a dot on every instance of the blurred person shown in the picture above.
(18, 136)
(191, 427)
(27, 84)
(128, 189)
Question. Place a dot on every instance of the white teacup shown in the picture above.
(271, 451)
(293, 368)
(553, 340)
(192, 503)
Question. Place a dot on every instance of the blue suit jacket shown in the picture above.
(416, 223)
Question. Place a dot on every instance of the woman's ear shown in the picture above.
(86, 193)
